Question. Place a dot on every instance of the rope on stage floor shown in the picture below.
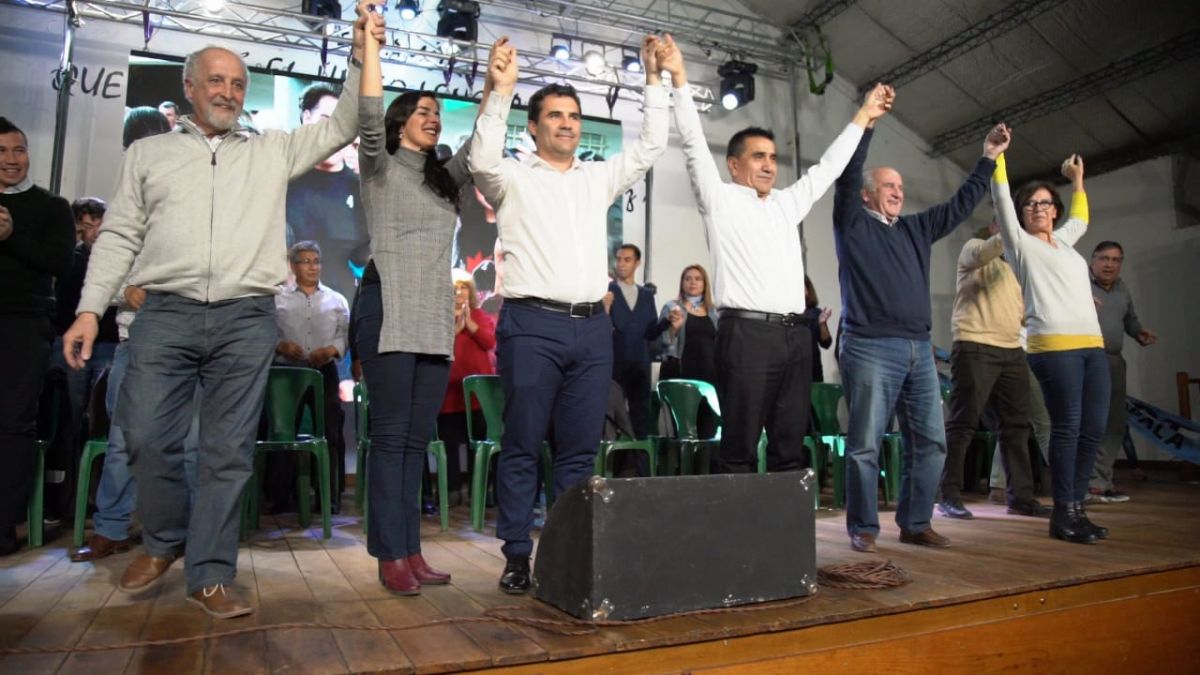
(858, 576)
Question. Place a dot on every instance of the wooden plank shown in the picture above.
(240, 653)
(364, 651)
(171, 617)
(431, 649)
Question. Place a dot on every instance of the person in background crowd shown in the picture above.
(818, 325)
(690, 340)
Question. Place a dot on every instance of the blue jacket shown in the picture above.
(632, 328)
(884, 269)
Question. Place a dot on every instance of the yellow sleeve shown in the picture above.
(1001, 173)
(1079, 206)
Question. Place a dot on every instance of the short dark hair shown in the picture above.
(737, 144)
(306, 246)
(637, 252)
(535, 102)
(168, 104)
(313, 94)
(89, 206)
(141, 122)
(1026, 193)
(1105, 245)
(7, 127)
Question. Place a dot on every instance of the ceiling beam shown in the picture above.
(1154, 59)
(824, 12)
(999, 23)
(1187, 142)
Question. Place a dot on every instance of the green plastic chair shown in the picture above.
(487, 390)
(97, 447)
(362, 445)
(603, 464)
(286, 387)
(682, 398)
(34, 511)
(825, 398)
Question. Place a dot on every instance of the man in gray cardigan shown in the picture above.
(202, 208)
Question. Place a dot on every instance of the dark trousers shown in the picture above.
(25, 346)
(1076, 386)
(981, 373)
(174, 344)
(406, 391)
(634, 379)
(553, 368)
(452, 429)
(764, 380)
(280, 479)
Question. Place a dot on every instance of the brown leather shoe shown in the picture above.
(98, 546)
(863, 542)
(424, 573)
(220, 602)
(398, 577)
(926, 538)
(145, 572)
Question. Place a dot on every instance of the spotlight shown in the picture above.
(593, 62)
(632, 63)
(737, 83)
(328, 9)
(560, 48)
(409, 9)
(213, 6)
(458, 20)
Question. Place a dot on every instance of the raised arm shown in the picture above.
(485, 157)
(702, 168)
(943, 218)
(311, 143)
(371, 133)
(1077, 216)
(1006, 213)
(978, 252)
(847, 192)
(816, 181)
(631, 164)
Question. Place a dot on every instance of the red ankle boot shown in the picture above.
(397, 577)
(424, 573)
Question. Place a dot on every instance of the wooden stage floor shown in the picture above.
(1000, 568)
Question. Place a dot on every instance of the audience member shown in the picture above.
(691, 338)
(631, 309)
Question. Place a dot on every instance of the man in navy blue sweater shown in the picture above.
(886, 357)
(635, 321)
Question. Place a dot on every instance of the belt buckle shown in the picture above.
(789, 319)
(580, 310)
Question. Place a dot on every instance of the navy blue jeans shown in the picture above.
(406, 392)
(1076, 385)
(226, 348)
(881, 375)
(552, 368)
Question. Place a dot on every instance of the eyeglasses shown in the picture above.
(1037, 205)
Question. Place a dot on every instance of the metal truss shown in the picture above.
(1186, 142)
(821, 14)
(332, 39)
(1171, 52)
(710, 28)
(999, 23)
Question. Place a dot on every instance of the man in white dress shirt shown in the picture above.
(554, 338)
(764, 345)
(313, 321)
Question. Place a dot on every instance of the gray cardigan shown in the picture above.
(673, 346)
(412, 233)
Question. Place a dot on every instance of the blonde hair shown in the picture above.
(465, 278)
(708, 301)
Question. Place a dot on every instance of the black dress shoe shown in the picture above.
(953, 508)
(1098, 531)
(1065, 524)
(515, 580)
(1032, 509)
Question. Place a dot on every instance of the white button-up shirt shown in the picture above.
(755, 242)
(554, 224)
(312, 321)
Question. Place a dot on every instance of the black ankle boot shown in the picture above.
(1099, 532)
(1065, 524)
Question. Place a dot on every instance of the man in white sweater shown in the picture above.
(202, 208)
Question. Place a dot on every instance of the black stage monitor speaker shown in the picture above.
(628, 548)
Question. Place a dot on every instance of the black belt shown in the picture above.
(575, 310)
(769, 317)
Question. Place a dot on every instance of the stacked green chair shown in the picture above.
(603, 465)
(94, 448)
(37, 496)
(362, 431)
(682, 398)
(286, 387)
(487, 390)
(984, 468)
(825, 398)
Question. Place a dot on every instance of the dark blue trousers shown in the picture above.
(406, 392)
(553, 369)
(1076, 384)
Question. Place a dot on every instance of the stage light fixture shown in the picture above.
(594, 63)
(560, 48)
(632, 63)
(458, 20)
(737, 83)
(409, 9)
(212, 6)
(327, 9)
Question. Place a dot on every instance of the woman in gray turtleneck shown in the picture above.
(405, 321)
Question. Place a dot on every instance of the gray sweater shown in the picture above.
(208, 224)
(412, 234)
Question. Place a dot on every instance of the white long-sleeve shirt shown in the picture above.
(554, 224)
(755, 243)
(1060, 313)
(312, 321)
